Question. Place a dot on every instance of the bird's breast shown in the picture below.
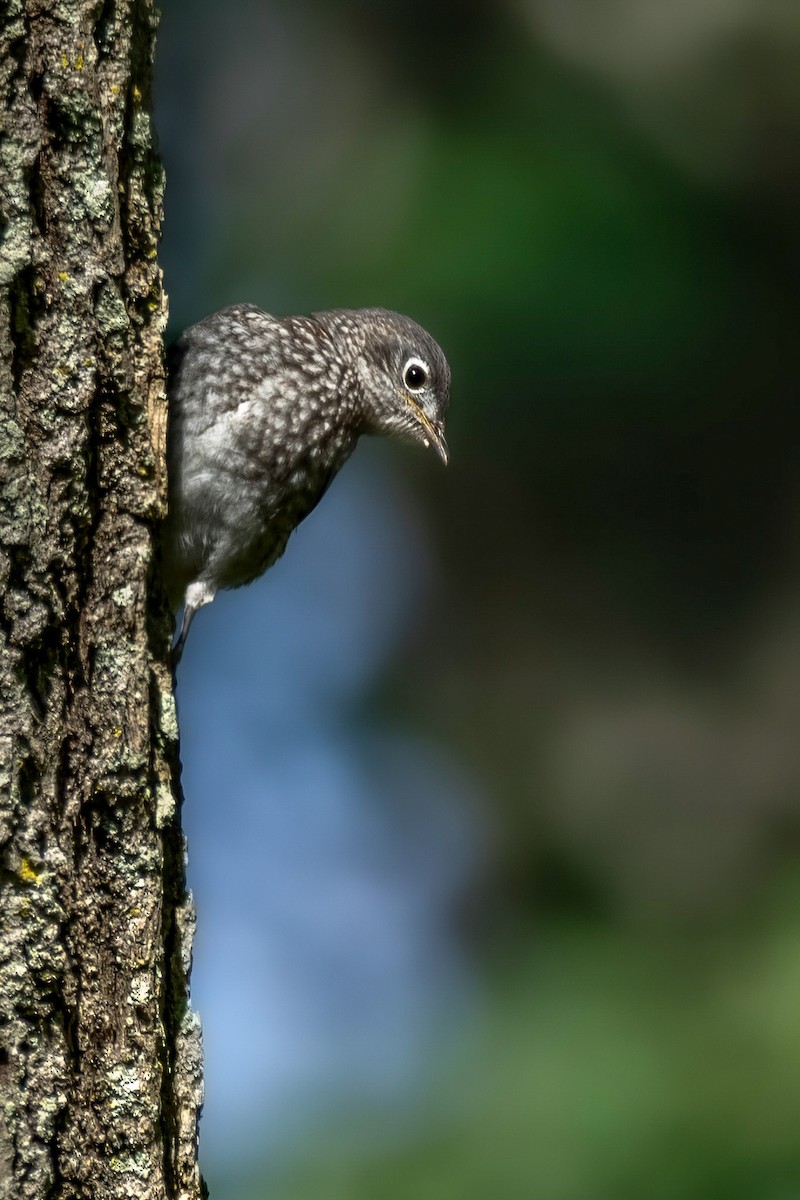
(264, 516)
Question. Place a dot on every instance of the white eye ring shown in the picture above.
(415, 375)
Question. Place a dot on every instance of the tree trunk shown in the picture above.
(100, 1058)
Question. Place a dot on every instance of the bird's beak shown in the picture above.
(434, 432)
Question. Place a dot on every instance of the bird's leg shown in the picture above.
(177, 649)
(198, 593)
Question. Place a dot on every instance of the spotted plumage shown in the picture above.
(263, 411)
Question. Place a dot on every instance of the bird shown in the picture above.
(263, 412)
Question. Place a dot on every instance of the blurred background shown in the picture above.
(492, 782)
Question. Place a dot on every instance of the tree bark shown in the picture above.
(100, 1057)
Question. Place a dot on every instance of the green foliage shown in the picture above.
(608, 1064)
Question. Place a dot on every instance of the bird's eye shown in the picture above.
(415, 375)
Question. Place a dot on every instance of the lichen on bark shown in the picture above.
(100, 1061)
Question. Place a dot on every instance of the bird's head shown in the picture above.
(403, 377)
